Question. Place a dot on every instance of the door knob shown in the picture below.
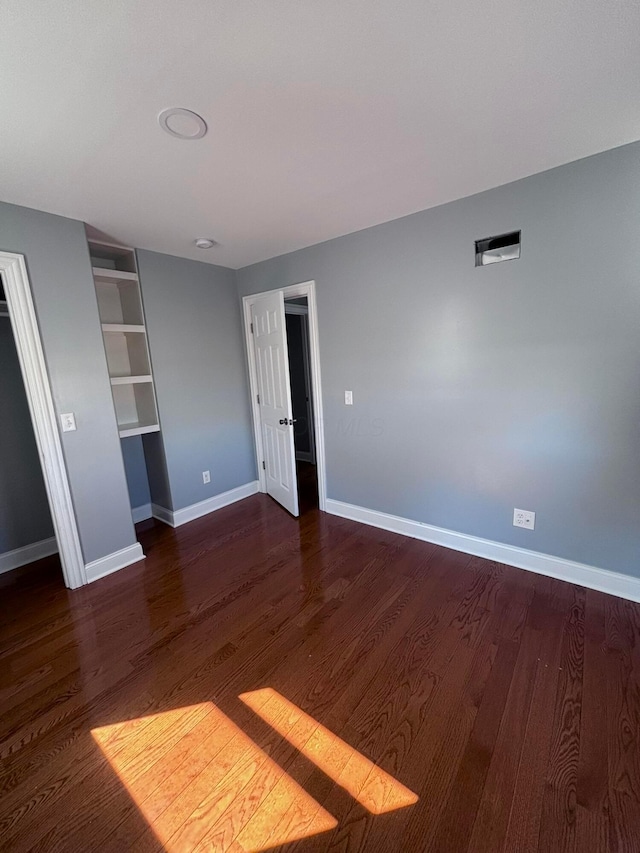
(283, 421)
(293, 421)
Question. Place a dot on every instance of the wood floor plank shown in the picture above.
(527, 794)
(623, 723)
(558, 823)
(472, 784)
(592, 791)
(508, 702)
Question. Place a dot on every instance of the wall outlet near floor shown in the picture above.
(206, 477)
(524, 518)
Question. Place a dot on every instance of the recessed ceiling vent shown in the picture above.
(503, 247)
(183, 124)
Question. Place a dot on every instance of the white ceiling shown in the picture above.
(325, 116)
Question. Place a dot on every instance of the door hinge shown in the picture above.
(258, 398)
(251, 328)
(263, 465)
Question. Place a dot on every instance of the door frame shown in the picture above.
(308, 289)
(26, 332)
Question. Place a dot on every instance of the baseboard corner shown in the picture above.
(110, 563)
(141, 513)
(162, 514)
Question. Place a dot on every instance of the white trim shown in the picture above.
(247, 302)
(603, 580)
(43, 415)
(190, 513)
(113, 562)
(27, 554)
(141, 513)
(162, 514)
(308, 289)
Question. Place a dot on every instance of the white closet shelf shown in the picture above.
(130, 380)
(126, 430)
(122, 327)
(108, 276)
(4, 309)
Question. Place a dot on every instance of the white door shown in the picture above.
(274, 390)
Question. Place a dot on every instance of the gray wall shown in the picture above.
(24, 510)
(480, 390)
(197, 352)
(57, 259)
(136, 470)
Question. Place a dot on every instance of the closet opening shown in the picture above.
(27, 534)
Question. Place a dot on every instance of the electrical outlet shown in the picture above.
(348, 398)
(524, 518)
(206, 477)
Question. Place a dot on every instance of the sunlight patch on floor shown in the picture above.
(202, 784)
(376, 790)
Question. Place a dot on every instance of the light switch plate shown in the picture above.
(348, 398)
(206, 477)
(68, 422)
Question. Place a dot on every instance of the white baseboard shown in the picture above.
(113, 562)
(162, 514)
(190, 513)
(141, 513)
(603, 580)
(27, 554)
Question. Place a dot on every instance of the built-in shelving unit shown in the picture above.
(125, 338)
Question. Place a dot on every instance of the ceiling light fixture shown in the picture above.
(183, 124)
(204, 243)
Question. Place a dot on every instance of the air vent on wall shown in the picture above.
(503, 247)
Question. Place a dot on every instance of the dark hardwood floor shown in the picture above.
(307, 486)
(507, 702)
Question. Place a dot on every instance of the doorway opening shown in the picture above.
(296, 311)
(281, 331)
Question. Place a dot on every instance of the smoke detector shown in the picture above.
(204, 243)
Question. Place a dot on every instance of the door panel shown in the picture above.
(272, 368)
